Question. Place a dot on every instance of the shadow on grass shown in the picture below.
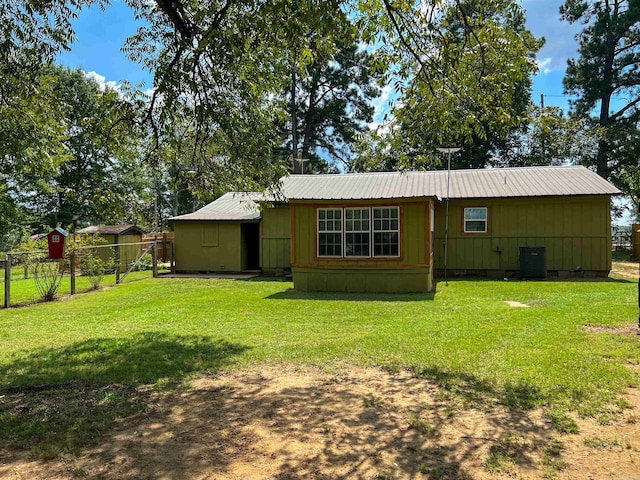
(471, 278)
(331, 428)
(59, 400)
(292, 294)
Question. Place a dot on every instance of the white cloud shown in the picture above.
(101, 80)
(544, 65)
(543, 19)
(382, 106)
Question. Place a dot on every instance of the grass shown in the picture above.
(23, 290)
(162, 331)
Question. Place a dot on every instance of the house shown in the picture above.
(118, 234)
(385, 232)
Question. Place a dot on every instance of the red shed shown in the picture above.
(56, 240)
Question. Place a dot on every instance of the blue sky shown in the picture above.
(101, 34)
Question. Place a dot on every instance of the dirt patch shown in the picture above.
(283, 423)
(513, 303)
(629, 329)
(624, 269)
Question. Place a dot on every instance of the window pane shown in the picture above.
(475, 213)
(356, 245)
(329, 232)
(475, 226)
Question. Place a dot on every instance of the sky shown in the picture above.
(101, 34)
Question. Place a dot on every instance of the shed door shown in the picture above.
(251, 246)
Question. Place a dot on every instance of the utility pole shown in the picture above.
(294, 121)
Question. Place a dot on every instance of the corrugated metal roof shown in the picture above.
(486, 183)
(233, 206)
(110, 229)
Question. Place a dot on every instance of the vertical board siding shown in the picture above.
(411, 272)
(275, 238)
(129, 253)
(192, 256)
(575, 232)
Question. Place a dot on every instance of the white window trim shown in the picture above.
(485, 220)
(371, 232)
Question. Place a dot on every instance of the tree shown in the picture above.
(103, 180)
(465, 78)
(331, 99)
(606, 78)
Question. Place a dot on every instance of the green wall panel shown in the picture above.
(574, 230)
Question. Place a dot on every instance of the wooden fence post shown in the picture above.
(72, 267)
(7, 281)
(155, 258)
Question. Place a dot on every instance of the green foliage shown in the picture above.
(561, 421)
(92, 260)
(331, 96)
(102, 181)
(605, 78)
(465, 76)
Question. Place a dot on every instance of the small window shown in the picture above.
(356, 228)
(475, 220)
(330, 232)
(209, 235)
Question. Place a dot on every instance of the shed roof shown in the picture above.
(232, 206)
(111, 229)
(485, 183)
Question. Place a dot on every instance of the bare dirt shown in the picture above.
(283, 422)
(624, 269)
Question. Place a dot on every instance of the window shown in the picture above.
(330, 232)
(386, 232)
(359, 232)
(475, 220)
(209, 235)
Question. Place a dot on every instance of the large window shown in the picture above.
(356, 232)
(475, 220)
(330, 232)
(386, 232)
(359, 232)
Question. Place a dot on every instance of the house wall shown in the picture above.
(208, 247)
(411, 272)
(575, 231)
(275, 239)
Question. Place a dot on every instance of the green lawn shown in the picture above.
(161, 331)
(24, 291)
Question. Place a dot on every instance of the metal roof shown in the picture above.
(486, 183)
(233, 206)
(110, 229)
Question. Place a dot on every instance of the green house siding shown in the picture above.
(410, 272)
(574, 230)
(275, 239)
(208, 246)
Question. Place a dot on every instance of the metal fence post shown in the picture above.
(117, 258)
(72, 267)
(155, 258)
(7, 281)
